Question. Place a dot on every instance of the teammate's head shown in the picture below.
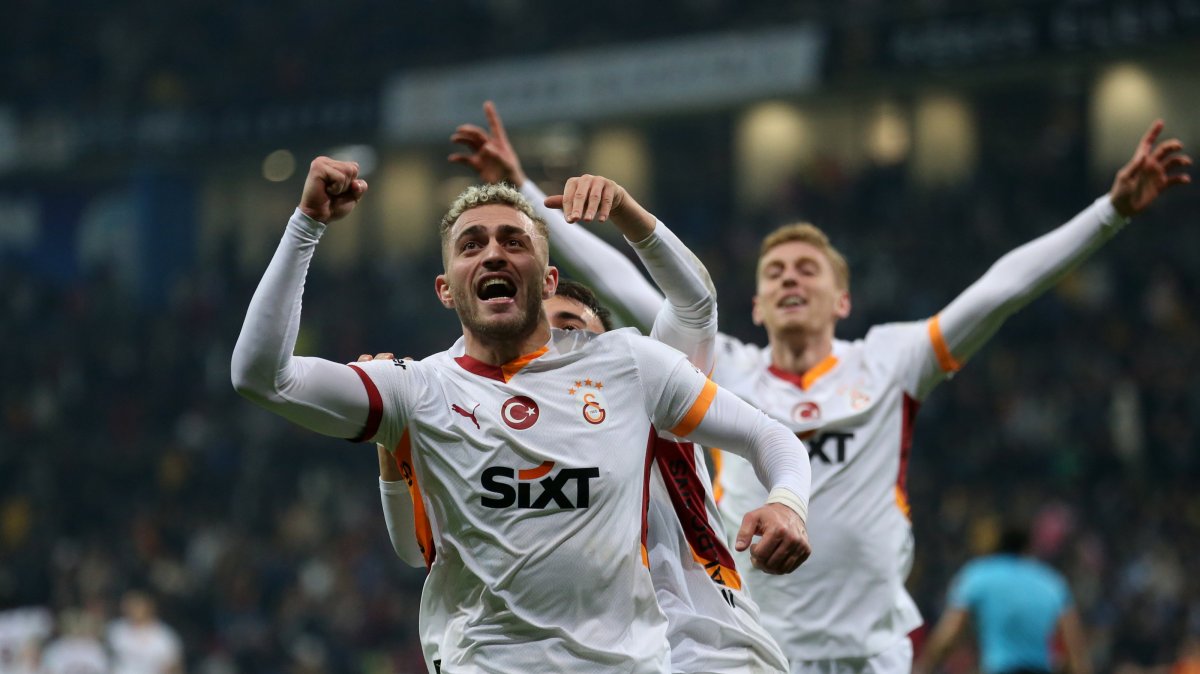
(496, 255)
(803, 281)
(575, 307)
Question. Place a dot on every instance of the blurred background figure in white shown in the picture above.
(140, 642)
(78, 648)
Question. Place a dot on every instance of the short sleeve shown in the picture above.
(1064, 593)
(962, 590)
(394, 387)
(909, 351)
(677, 394)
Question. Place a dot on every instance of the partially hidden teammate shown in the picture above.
(854, 401)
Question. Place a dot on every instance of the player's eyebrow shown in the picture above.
(569, 316)
(480, 231)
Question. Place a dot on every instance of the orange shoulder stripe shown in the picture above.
(696, 412)
(946, 360)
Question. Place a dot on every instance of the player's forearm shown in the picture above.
(326, 397)
(398, 515)
(612, 275)
(780, 460)
(687, 320)
(1070, 626)
(1022, 275)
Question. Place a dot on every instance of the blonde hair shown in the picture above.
(484, 195)
(812, 235)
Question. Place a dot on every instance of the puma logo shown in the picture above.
(470, 415)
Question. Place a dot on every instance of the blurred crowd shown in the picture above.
(127, 462)
(94, 58)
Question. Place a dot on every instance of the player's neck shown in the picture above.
(800, 352)
(498, 352)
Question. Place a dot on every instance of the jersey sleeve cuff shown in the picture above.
(306, 226)
(790, 499)
(375, 409)
(1110, 219)
(391, 488)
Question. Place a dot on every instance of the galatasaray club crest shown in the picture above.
(806, 412)
(589, 394)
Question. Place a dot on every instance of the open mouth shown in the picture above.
(496, 289)
(792, 301)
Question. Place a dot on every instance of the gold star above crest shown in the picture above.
(599, 385)
(571, 391)
(587, 382)
(578, 383)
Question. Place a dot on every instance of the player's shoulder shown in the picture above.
(619, 343)
(404, 372)
(887, 341)
(735, 359)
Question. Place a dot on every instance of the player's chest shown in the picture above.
(576, 411)
(850, 395)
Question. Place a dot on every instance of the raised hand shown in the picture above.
(784, 544)
(491, 155)
(1152, 171)
(590, 198)
(331, 190)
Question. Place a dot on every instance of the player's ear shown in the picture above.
(550, 283)
(442, 287)
(841, 306)
(755, 313)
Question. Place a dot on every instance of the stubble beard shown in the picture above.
(507, 328)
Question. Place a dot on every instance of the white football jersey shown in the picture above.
(75, 655)
(713, 625)
(143, 649)
(855, 411)
(21, 633)
(536, 474)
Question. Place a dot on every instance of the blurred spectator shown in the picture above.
(78, 648)
(140, 642)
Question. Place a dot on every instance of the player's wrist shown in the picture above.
(785, 496)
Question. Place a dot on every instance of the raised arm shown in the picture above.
(687, 319)
(684, 402)
(780, 461)
(613, 276)
(321, 395)
(1028, 271)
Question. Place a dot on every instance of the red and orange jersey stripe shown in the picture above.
(685, 486)
(911, 406)
(422, 528)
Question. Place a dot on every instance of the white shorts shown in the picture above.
(896, 660)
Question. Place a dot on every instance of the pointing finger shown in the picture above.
(1152, 134)
(493, 118)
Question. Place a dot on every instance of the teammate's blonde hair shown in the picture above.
(812, 235)
(496, 193)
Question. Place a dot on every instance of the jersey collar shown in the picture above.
(502, 373)
(806, 380)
